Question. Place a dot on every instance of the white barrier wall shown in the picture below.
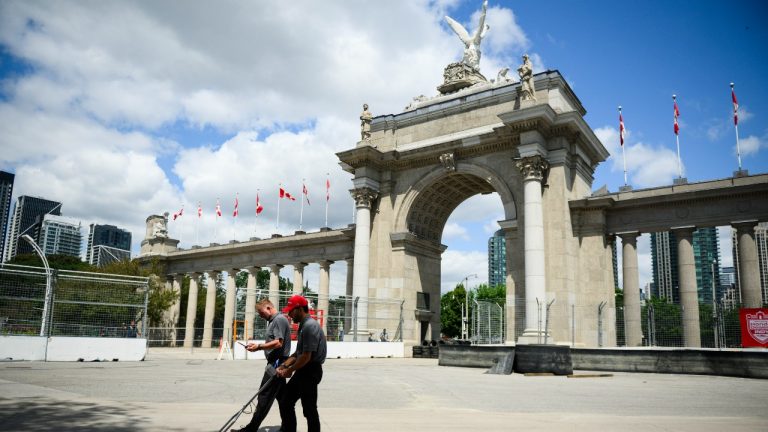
(72, 348)
(337, 350)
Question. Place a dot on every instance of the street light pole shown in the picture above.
(46, 303)
(465, 318)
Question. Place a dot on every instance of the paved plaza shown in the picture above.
(176, 390)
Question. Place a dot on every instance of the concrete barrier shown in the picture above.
(745, 363)
(337, 350)
(61, 348)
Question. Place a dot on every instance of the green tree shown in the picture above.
(450, 311)
(160, 299)
(58, 262)
(496, 294)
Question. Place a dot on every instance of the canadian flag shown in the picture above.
(235, 212)
(677, 114)
(179, 214)
(327, 189)
(284, 194)
(199, 210)
(259, 207)
(735, 107)
(621, 129)
(306, 193)
(218, 208)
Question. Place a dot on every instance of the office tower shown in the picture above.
(27, 218)
(106, 244)
(497, 259)
(706, 252)
(6, 191)
(60, 235)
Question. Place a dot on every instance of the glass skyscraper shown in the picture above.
(28, 215)
(61, 235)
(706, 252)
(106, 244)
(497, 259)
(6, 191)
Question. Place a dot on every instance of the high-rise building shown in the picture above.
(6, 191)
(497, 259)
(706, 255)
(761, 241)
(60, 235)
(27, 218)
(106, 244)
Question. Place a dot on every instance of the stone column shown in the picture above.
(175, 309)
(210, 308)
(250, 301)
(632, 324)
(274, 284)
(229, 305)
(749, 274)
(298, 277)
(533, 169)
(689, 295)
(348, 294)
(324, 291)
(189, 332)
(364, 198)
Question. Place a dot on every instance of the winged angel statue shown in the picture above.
(471, 43)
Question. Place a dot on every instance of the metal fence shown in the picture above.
(70, 303)
(383, 320)
(488, 324)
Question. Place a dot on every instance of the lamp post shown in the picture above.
(465, 318)
(46, 303)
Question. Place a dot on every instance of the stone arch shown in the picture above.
(430, 201)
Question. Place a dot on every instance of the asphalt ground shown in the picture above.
(177, 390)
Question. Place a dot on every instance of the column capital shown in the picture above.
(325, 264)
(364, 196)
(684, 231)
(629, 236)
(194, 275)
(299, 265)
(253, 269)
(532, 167)
(747, 226)
(275, 268)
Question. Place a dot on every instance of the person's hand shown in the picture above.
(284, 372)
(252, 347)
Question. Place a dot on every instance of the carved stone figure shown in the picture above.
(160, 228)
(471, 43)
(502, 76)
(528, 91)
(448, 162)
(365, 124)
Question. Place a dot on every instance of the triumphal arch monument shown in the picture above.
(525, 140)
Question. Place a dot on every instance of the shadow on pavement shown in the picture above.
(42, 414)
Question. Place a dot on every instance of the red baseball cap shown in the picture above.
(294, 302)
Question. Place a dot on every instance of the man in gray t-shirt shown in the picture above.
(277, 348)
(307, 363)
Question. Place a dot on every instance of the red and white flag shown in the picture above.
(218, 208)
(284, 194)
(259, 207)
(305, 192)
(327, 189)
(735, 107)
(677, 114)
(179, 214)
(199, 210)
(621, 129)
(237, 204)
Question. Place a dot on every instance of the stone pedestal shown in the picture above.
(458, 76)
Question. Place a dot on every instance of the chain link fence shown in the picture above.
(342, 317)
(70, 303)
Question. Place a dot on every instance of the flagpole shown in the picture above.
(197, 221)
(235, 214)
(216, 224)
(736, 126)
(301, 212)
(623, 155)
(279, 198)
(327, 196)
(256, 220)
(677, 139)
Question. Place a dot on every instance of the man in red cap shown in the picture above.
(304, 367)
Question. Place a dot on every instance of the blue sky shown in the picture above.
(125, 109)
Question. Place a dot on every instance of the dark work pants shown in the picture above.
(303, 385)
(265, 400)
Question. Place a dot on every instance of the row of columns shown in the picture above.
(689, 300)
(175, 281)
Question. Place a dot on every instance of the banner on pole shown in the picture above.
(754, 327)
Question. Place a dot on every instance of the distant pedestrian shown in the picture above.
(304, 367)
(277, 348)
(132, 331)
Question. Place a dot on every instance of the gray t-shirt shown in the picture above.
(278, 328)
(311, 339)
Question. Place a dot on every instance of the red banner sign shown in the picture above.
(754, 327)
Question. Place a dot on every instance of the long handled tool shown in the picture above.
(269, 370)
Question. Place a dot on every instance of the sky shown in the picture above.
(121, 110)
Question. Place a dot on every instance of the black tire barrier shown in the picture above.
(432, 343)
(425, 343)
(418, 351)
(555, 359)
(434, 352)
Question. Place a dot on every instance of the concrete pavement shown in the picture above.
(177, 390)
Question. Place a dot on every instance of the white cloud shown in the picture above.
(647, 166)
(456, 265)
(453, 231)
(751, 145)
